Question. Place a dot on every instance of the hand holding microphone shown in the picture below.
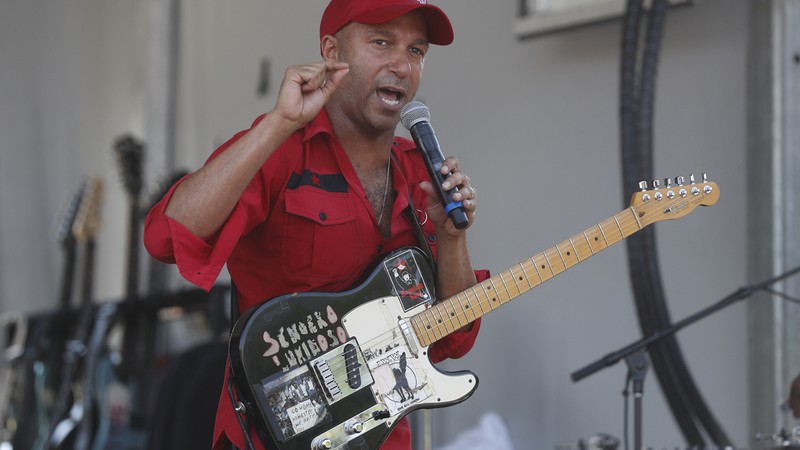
(416, 118)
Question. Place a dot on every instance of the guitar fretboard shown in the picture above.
(467, 306)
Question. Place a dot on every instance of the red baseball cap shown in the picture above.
(341, 12)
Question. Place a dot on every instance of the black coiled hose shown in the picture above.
(637, 99)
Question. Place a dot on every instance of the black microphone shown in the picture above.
(416, 117)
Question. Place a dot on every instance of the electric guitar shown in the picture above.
(53, 334)
(113, 427)
(74, 403)
(123, 384)
(339, 370)
(30, 344)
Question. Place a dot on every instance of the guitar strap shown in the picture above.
(410, 213)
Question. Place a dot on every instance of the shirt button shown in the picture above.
(323, 216)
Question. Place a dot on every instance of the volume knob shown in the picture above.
(354, 427)
(322, 443)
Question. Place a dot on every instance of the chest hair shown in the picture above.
(377, 186)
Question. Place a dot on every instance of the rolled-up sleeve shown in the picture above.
(200, 261)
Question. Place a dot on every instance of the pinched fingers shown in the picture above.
(306, 88)
(323, 75)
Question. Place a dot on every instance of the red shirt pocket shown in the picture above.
(320, 235)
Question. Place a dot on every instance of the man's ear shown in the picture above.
(329, 48)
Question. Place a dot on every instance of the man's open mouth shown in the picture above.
(390, 96)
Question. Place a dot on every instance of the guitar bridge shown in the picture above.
(342, 371)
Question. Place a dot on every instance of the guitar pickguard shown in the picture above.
(405, 379)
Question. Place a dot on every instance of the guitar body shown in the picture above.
(320, 370)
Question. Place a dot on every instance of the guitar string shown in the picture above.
(627, 225)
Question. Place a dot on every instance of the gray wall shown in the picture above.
(535, 123)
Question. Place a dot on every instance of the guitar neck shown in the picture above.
(131, 348)
(468, 306)
(132, 276)
(68, 274)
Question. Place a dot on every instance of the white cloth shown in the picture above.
(491, 433)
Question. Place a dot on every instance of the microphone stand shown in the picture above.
(636, 359)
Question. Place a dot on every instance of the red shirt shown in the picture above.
(303, 224)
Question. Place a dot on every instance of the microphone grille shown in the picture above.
(414, 112)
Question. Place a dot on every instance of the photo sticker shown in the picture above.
(295, 403)
(407, 280)
(398, 383)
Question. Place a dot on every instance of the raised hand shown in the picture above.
(305, 90)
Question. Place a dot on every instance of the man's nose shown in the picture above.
(400, 63)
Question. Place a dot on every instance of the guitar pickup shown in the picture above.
(342, 371)
(408, 336)
(326, 380)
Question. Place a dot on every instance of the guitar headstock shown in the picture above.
(87, 220)
(673, 200)
(130, 154)
(63, 230)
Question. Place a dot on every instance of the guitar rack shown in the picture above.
(33, 378)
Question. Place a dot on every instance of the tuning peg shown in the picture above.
(695, 190)
(643, 187)
(680, 181)
(668, 186)
(707, 188)
(656, 184)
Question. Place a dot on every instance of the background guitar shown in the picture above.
(113, 393)
(73, 404)
(125, 371)
(44, 345)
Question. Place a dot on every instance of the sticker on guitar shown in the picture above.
(297, 343)
(398, 384)
(407, 280)
(295, 402)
